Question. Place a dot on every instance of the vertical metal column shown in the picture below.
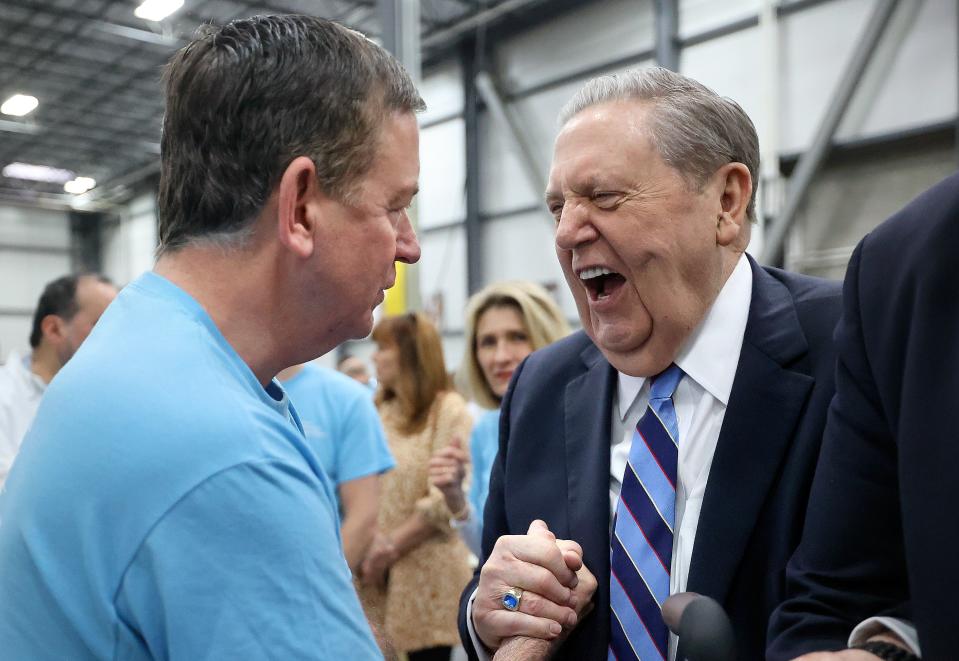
(812, 158)
(86, 242)
(667, 34)
(400, 20)
(474, 236)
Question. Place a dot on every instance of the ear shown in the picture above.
(735, 192)
(52, 328)
(297, 209)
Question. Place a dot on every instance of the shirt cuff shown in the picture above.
(876, 625)
(478, 645)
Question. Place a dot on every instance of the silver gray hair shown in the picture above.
(695, 130)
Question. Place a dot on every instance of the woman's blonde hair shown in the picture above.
(543, 320)
(421, 373)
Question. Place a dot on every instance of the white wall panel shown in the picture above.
(129, 246)
(697, 16)
(912, 78)
(599, 32)
(915, 61)
(24, 274)
(442, 197)
(34, 227)
(849, 199)
(442, 269)
(442, 89)
(522, 248)
(729, 66)
(14, 336)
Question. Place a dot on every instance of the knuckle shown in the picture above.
(533, 604)
(542, 583)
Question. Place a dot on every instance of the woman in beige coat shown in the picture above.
(417, 565)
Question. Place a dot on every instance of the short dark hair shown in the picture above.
(60, 298)
(245, 99)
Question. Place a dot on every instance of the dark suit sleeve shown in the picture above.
(494, 514)
(850, 563)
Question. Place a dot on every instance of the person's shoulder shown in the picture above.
(564, 357)
(923, 228)
(342, 384)
(807, 289)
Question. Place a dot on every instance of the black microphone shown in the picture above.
(704, 630)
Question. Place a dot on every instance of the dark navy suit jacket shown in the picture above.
(883, 526)
(554, 455)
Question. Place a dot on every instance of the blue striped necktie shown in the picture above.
(641, 548)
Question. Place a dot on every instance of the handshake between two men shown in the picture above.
(533, 591)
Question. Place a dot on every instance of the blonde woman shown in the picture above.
(505, 322)
(417, 565)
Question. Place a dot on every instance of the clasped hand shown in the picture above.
(557, 588)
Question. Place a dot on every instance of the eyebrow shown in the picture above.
(587, 187)
(405, 194)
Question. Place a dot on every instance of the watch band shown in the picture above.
(886, 651)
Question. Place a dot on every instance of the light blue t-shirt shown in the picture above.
(340, 422)
(166, 506)
(484, 444)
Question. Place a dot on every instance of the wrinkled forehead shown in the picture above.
(602, 141)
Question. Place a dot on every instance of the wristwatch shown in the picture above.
(886, 651)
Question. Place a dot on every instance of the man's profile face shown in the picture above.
(637, 243)
(361, 239)
(92, 299)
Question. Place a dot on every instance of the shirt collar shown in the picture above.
(19, 368)
(711, 354)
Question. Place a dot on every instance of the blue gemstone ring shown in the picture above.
(511, 599)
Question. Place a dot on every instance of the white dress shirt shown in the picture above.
(708, 360)
(20, 394)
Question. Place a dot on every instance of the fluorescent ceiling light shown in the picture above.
(37, 173)
(157, 10)
(79, 186)
(19, 105)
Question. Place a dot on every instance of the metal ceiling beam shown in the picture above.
(25, 71)
(812, 159)
(93, 22)
(448, 35)
(19, 127)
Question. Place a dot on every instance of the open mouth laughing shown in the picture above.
(600, 282)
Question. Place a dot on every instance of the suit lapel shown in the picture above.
(764, 408)
(587, 428)
(587, 453)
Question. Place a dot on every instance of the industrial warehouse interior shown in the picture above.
(855, 107)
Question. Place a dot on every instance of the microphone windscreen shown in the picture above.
(705, 633)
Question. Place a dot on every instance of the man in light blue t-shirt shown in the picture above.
(166, 503)
(343, 428)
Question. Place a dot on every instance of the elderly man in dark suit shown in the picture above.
(882, 531)
(673, 442)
